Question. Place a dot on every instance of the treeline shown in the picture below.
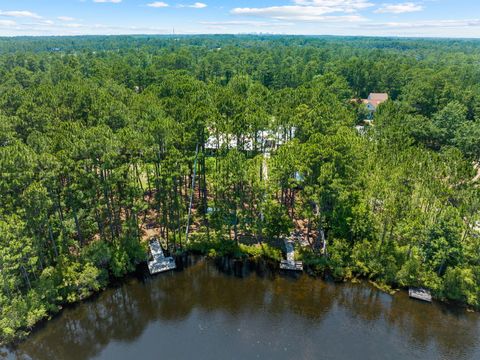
(102, 138)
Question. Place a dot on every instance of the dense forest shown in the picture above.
(228, 144)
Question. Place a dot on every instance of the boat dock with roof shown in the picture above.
(290, 263)
(420, 294)
(159, 263)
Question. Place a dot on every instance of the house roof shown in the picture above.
(378, 97)
(375, 99)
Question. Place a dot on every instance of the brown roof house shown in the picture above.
(372, 103)
(374, 99)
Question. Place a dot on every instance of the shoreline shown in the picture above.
(270, 257)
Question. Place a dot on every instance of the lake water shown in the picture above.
(248, 312)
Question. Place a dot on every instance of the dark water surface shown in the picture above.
(204, 313)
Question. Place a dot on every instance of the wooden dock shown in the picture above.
(290, 263)
(160, 263)
(420, 294)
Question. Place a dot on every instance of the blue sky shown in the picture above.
(439, 18)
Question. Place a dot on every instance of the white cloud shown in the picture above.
(65, 18)
(441, 24)
(10, 28)
(158, 4)
(7, 23)
(353, 4)
(407, 7)
(108, 1)
(197, 5)
(309, 10)
(234, 23)
(74, 25)
(20, 14)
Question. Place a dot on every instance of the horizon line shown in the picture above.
(240, 34)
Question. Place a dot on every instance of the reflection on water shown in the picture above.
(204, 313)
